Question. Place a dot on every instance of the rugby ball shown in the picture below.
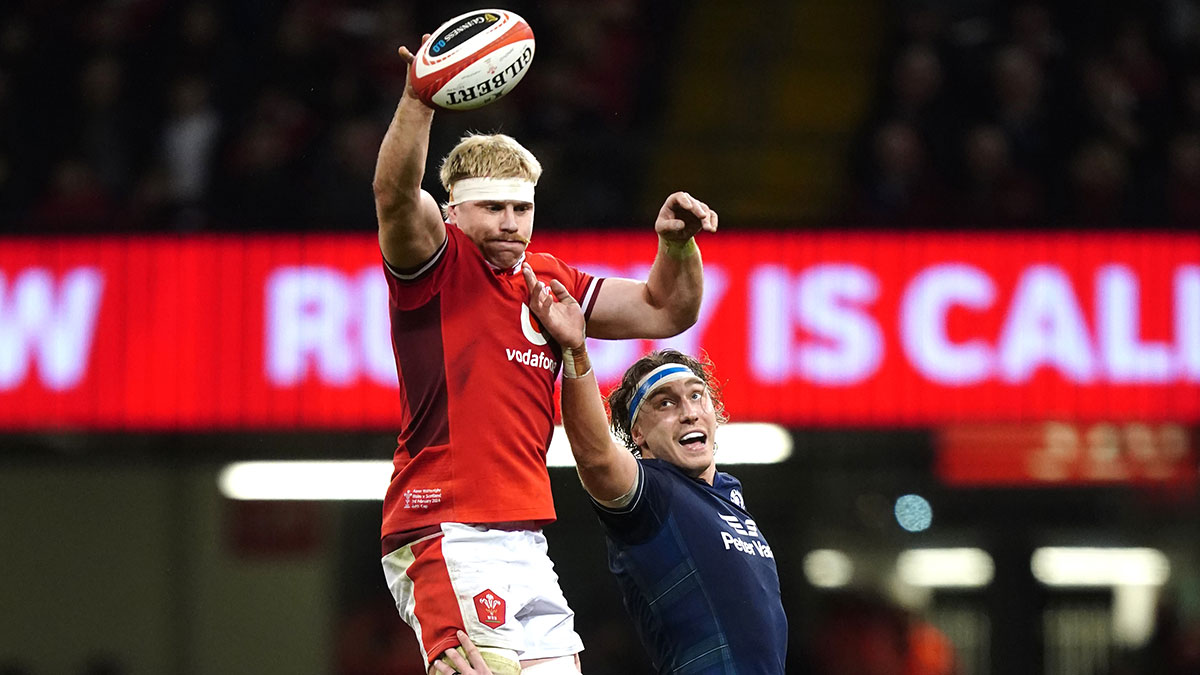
(472, 60)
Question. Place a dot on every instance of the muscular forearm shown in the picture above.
(676, 282)
(401, 163)
(607, 470)
(583, 414)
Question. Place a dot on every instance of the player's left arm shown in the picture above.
(668, 301)
(608, 472)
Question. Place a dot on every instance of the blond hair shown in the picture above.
(489, 156)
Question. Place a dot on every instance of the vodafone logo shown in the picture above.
(529, 329)
(489, 607)
(531, 358)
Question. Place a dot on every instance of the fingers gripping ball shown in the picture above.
(473, 59)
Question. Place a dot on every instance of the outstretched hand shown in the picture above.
(408, 57)
(559, 313)
(682, 216)
(472, 665)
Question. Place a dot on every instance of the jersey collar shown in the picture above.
(505, 271)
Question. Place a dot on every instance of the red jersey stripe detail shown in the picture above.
(434, 602)
(589, 298)
(422, 367)
(418, 271)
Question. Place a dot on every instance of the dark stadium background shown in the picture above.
(194, 118)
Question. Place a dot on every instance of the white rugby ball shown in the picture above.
(473, 59)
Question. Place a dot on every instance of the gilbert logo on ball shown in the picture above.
(473, 59)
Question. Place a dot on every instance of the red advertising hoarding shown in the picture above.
(811, 329)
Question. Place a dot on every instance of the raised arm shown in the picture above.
(668, 301)
(410, 221)
(607, 470)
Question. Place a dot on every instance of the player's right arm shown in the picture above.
(410, 221)
(607, 470)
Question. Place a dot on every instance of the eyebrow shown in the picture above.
(690, 382)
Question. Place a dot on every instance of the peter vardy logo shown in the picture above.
(745, 528)
(749, 529)
(531, 358)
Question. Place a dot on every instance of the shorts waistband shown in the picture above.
(398, 540)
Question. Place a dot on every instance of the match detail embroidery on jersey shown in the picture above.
(422, 498)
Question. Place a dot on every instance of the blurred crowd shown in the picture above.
(201, 115)
(863, 633)
(1061, 113)
(164, 116)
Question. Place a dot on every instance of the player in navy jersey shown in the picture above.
(695, 571)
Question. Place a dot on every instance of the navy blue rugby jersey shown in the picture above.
(696, 574)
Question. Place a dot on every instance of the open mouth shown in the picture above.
(693, 440)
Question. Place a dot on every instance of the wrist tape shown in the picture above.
(576, 363)
(681, 250)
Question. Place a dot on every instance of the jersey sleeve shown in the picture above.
(644, 515)
(412, 288)
(582, 286)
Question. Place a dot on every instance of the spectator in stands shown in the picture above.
(994, 192)
(188, 147)
(917, 98)
(1098, 186)
(262, 187)
(107, 124)
(1183, 181)
(348, 160)
(1020, 107)
(899, 189)
(75, 201)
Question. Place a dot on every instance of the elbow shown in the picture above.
(682, 318)
(593, 461)
(688, 316)
(680, 309)
(662, 324)
(592, 452)
(587, 456)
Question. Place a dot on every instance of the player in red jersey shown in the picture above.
(462, 541)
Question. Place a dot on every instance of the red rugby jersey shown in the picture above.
(476, 389)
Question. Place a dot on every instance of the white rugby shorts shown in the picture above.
(499, 586)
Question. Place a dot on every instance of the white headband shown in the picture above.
(492, 190)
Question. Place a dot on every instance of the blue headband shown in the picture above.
(668, 372)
